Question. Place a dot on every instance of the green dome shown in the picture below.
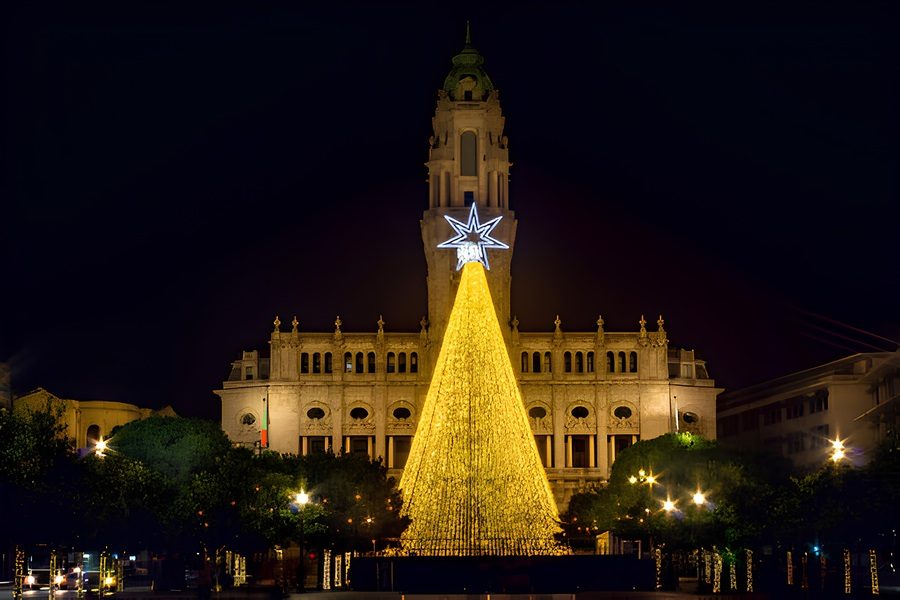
(467, 74)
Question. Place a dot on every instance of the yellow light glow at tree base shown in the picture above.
(749, 570)
(474, 484)
(847, 582)
(873, 572)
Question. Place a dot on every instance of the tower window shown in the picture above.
(348, 362)
(567, 362)
(610, 362)
(622, 362)
(468, 154)
(359, 362)
(524, 362)
(328, 365)
(401, 362)
(391, 362)
(536, 362)
(317, 363)
(632, 362)
(469, 198)
(548, 364)
(579, 362)
(371, 359)
(414, 362)
(304, 362)
(590, 362)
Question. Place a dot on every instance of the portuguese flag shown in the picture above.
(264, 428)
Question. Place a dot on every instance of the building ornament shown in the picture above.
(601, 335)
(580, 424)
(294, 325)
(338, 336)
(472, 239)
(661, 339)
(380, 333)
(643, 339)
(541, 424)
(322, 425)
(557, 333)
(515, 330)
(277, 324)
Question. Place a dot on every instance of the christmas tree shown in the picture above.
(474, 484)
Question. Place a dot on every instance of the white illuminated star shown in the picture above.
(472, 239)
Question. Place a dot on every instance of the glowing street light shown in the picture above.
(837, 450)
(302, 498)
(100, 447)
(668, 505)
(699, 498)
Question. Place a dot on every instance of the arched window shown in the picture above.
(622, 362)
(413, 362)
(348, 362)
(401, 362)
(632, 362)
(304, 362)
(93, 435)
(536, 362)
(468, 154)
(610, 362)
(328, 366)
(359, 363)
(567, 362)
(371, 360)
(391, 362)
(548, 363)
(579, 362)
(317, 363)
(524, 362)
(590, 362)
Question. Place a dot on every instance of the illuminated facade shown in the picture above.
(87, 420)
(588, 394)
(855, 399)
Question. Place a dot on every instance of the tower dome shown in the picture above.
(467, 79)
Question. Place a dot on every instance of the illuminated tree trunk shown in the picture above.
(474, 484)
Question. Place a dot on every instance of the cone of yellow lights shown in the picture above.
(474, 484)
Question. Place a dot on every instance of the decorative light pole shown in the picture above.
(301, 500)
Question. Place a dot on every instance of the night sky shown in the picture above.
(174, 177)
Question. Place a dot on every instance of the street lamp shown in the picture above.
(699, 498)
(301, 500)
(100, 447)
(837, 451)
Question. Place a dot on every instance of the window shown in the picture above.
(304, 362)
(468, 154)
(580, 458)
(316, 445)
(622, 412)
(632, 362)
(729, 426)
(818, 437)
(248, 372)
(547, 363)
(315, 413)
(402, 445)
(610, 362)
(687, 371)
(818, 402)
(537, 412)
(348, 362)
(590, 362)
(567, 362)
(771, 414)
(545, 450)
(796, 442)
(690, 417)
(401, 362)
(371, 360)
(358, 413)
(536, 362)
(391, 362)
(580, 412)
(401, 412)
(525, 359)
(579, 362)
(317, 363)
(468, 198)
(750, 420)
(359, 445)
(359, 363)
(248, 419)
(93, 434)
(328, 366)
(794, 410)
(622, 363)
(413, 362)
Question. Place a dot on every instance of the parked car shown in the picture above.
(37, 579)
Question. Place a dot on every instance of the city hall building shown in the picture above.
(588, 394)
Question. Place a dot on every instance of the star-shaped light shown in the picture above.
(472, 239)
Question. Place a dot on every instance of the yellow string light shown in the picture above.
(474, 484)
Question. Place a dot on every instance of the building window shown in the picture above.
(359, 444)
(348, 362)
(632, 362)
(548, 363)
(401, 362)
(468, 154)
(545, 450)
(567, 362)
(317, 363)
(359, 363)
(687, 371)
(622, 368)
(401, 412)
(580, 412)
(358, 413)
(93, 435)
(248, 419)
(371, 360)
(402, 445)
(750, 421)
(413, 362)
(315, 444)
(536, 362)
(690, 418)
(248, 373)
(819, 437)
(579, 362)
(304, 362)
(468, 198)
(771, 414)
(580, 458)
(525, 359)
(818, 402)
(590, 362)
(391, 362)
(537, 412)
(729, 426)
(794, 410)
(610, 362)
(796, 442)
(622, 412)
(328, 366)
(315, 413)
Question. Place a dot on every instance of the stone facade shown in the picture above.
(589, 394)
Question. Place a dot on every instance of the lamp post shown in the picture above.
(301, 500)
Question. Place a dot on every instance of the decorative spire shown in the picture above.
(294, 325)
(468, 35)
(423, 332)
(337, 328)
(601, 335)
(661, 339)
(557, 333)
(380, 328)
(515, 330)
(277, 324)
(643, 339)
